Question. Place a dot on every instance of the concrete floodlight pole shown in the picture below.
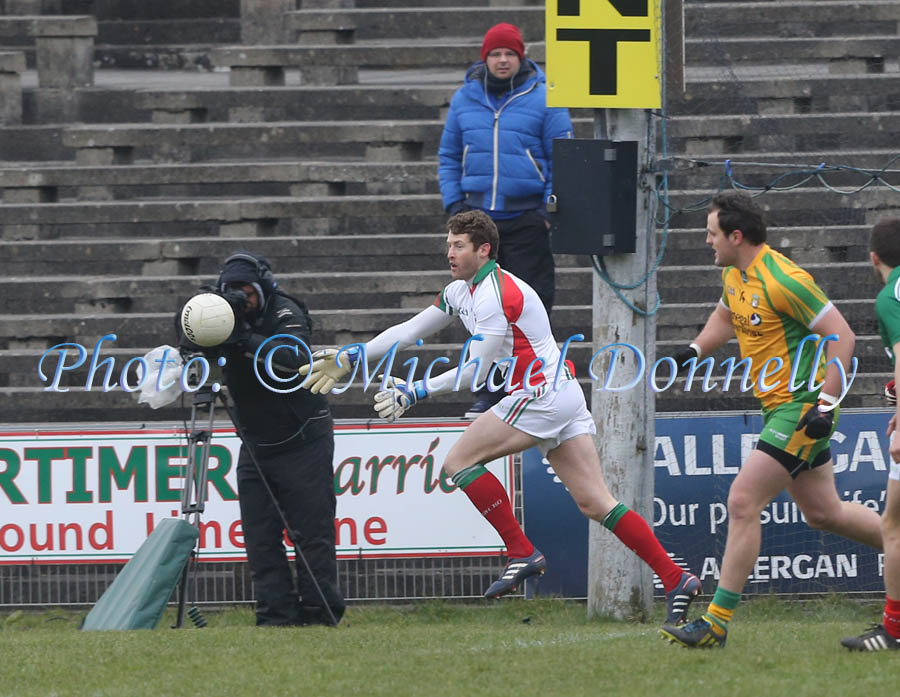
(619, 583)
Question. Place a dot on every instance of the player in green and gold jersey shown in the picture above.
(781, 319)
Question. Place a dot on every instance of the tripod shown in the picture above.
(193, 494)
(193, 497)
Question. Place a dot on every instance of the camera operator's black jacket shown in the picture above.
(272, 421)
(275, 421)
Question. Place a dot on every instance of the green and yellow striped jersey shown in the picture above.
(773, 303)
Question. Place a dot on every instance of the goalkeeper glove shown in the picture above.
(890, 394)
(819, 418)
(391, 403)
(327, 367)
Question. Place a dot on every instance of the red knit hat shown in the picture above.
(503, 35)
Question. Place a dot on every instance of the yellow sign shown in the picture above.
(603, 53)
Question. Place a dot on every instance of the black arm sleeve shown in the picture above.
(285, 317)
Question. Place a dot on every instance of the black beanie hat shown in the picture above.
(247, 267)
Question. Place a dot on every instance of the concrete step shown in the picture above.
(20, 367)
(807, 18)
(33, 143)
(159, 9)
(797, 133)
(16, 30)
(420, 22)
(788, 94)
(173, 57)
(409, 53)
(195, 142)
(323, 290)
(303, 103)
(352, 215)
(40, 331)
(89, 105)
(819, 18)
(677, 323)
(804, 245)
(717, 49)
(688, 283)
(808, 196)
(387, 140)
(797, 207)
(200, 256)
(34, 405)
(857, 91)
(329, 290)
(178, 30)
(278, 178)
(847, 169)
(366, 215)
(798, 59)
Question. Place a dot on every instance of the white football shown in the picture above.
(207, 319)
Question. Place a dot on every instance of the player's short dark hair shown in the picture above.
(478, 226)
(737, 211)
(885, 241)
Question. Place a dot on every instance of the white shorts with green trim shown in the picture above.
(553, 416)
(895, 471)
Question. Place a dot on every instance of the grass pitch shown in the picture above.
(513, 647)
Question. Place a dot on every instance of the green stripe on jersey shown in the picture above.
(806, 299)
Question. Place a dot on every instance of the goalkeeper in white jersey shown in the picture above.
(544, 405)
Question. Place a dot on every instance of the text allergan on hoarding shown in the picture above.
(266, 355)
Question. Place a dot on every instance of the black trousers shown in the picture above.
(302, 480)
(525, 252)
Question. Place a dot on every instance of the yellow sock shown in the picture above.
(718, 618)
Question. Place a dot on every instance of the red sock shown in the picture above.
(892, 617)
(488, 495)
(639, 538)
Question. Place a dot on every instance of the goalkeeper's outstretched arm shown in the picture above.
(329, 366)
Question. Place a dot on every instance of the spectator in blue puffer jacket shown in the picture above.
(496, 153)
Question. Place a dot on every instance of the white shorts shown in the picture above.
(550, 415)
(895, 471)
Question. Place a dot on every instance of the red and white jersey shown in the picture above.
(499, 304)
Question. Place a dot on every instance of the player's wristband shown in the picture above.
(352, 355)
(697, 349)
(418, 389)
(826, 402)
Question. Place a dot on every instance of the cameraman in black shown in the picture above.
(291, 435)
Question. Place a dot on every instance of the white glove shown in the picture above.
(327, 368)
(392, 402)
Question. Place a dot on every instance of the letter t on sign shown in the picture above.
(603, 57)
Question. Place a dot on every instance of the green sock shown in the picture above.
(614, 516)
(466, 476)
